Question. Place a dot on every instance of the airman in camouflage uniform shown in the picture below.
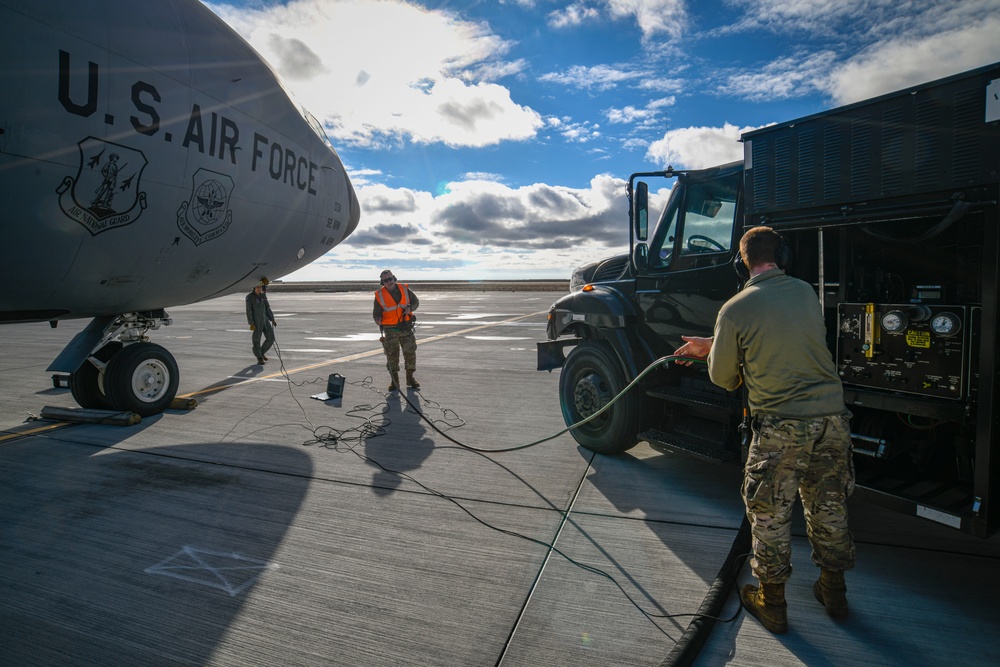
(393, 312)
(772, 337)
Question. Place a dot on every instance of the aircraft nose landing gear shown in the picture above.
(142, 378)
(129, 374)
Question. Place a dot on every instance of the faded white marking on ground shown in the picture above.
(230, 572)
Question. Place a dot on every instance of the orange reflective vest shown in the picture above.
(392, 312)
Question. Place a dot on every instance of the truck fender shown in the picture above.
(600, 313)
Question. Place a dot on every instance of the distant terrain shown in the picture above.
(429, 285)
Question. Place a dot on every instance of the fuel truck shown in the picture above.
(890, 208)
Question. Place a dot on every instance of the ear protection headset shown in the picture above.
(782, 259)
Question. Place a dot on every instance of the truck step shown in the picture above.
(674, 443)
(691, 397)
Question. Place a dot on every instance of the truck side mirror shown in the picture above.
(640, 256)
(640, 211)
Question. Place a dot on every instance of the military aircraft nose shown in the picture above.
(354, 215)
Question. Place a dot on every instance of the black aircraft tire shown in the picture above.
(86, 383)
(142, 378)
(590, 378)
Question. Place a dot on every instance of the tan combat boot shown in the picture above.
(410, 380)
(767, 604)
(831, 590)
(394, 385)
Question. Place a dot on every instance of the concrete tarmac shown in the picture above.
(266, 527)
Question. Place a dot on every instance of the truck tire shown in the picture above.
(590, 378)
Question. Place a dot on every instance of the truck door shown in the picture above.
(688, 271)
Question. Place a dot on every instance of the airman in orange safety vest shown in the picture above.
(393, 313)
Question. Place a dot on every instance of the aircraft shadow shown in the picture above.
(135, 557)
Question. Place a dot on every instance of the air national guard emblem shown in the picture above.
(206, 216)
(105, 193)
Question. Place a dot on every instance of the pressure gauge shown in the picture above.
(893, 321)
(946, 324)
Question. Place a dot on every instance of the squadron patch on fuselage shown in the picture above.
(105, 193)
(206, 215)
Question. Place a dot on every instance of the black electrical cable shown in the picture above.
(646, 371)
(334, 438)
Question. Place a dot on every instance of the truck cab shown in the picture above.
(625, 312)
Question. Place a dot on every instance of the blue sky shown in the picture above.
(492, 139)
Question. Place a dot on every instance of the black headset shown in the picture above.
(782, 259)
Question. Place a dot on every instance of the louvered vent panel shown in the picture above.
(927, 144)
(861, 157)
(833, 151)
(898, 150)
(892, 151)
(969, 112)
(807, 167)
(782, 170)
(761, 173)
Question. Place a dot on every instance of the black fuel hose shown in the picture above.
(691, 642)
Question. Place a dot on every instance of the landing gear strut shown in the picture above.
(123, 370)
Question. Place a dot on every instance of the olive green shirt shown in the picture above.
(774, 328)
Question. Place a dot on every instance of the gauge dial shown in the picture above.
(945, 324)
(894, 321)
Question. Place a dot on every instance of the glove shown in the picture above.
(253, 328)
(273, 323)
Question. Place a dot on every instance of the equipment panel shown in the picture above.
(908, 348)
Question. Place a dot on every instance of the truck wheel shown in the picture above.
(142, 378)
(589, 380)
(87, 382)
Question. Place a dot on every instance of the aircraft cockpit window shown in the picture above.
(317, 127)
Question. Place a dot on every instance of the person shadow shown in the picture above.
(403, 447)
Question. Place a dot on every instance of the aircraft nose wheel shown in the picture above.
(142, 378)
(87, 382)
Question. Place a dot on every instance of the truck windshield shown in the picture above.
(698, 219)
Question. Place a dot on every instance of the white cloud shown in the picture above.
(902, 63)
(573, 15)
(423, 89)
(647, 117)
(851, 51)
(786, 77)
(598, 77)
(653, 17)
(480, 228)
(698, 147)
(814, 16)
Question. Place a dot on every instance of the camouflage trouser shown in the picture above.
(394, 340)
(268, 332)
(811, 458)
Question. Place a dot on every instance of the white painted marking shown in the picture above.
(349, 337)
(496, 338)
(309, 350)
(476, 316)
(230, 572)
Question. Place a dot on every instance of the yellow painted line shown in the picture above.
(32, 431)
(354, 357)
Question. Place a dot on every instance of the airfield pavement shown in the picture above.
(266, 527)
